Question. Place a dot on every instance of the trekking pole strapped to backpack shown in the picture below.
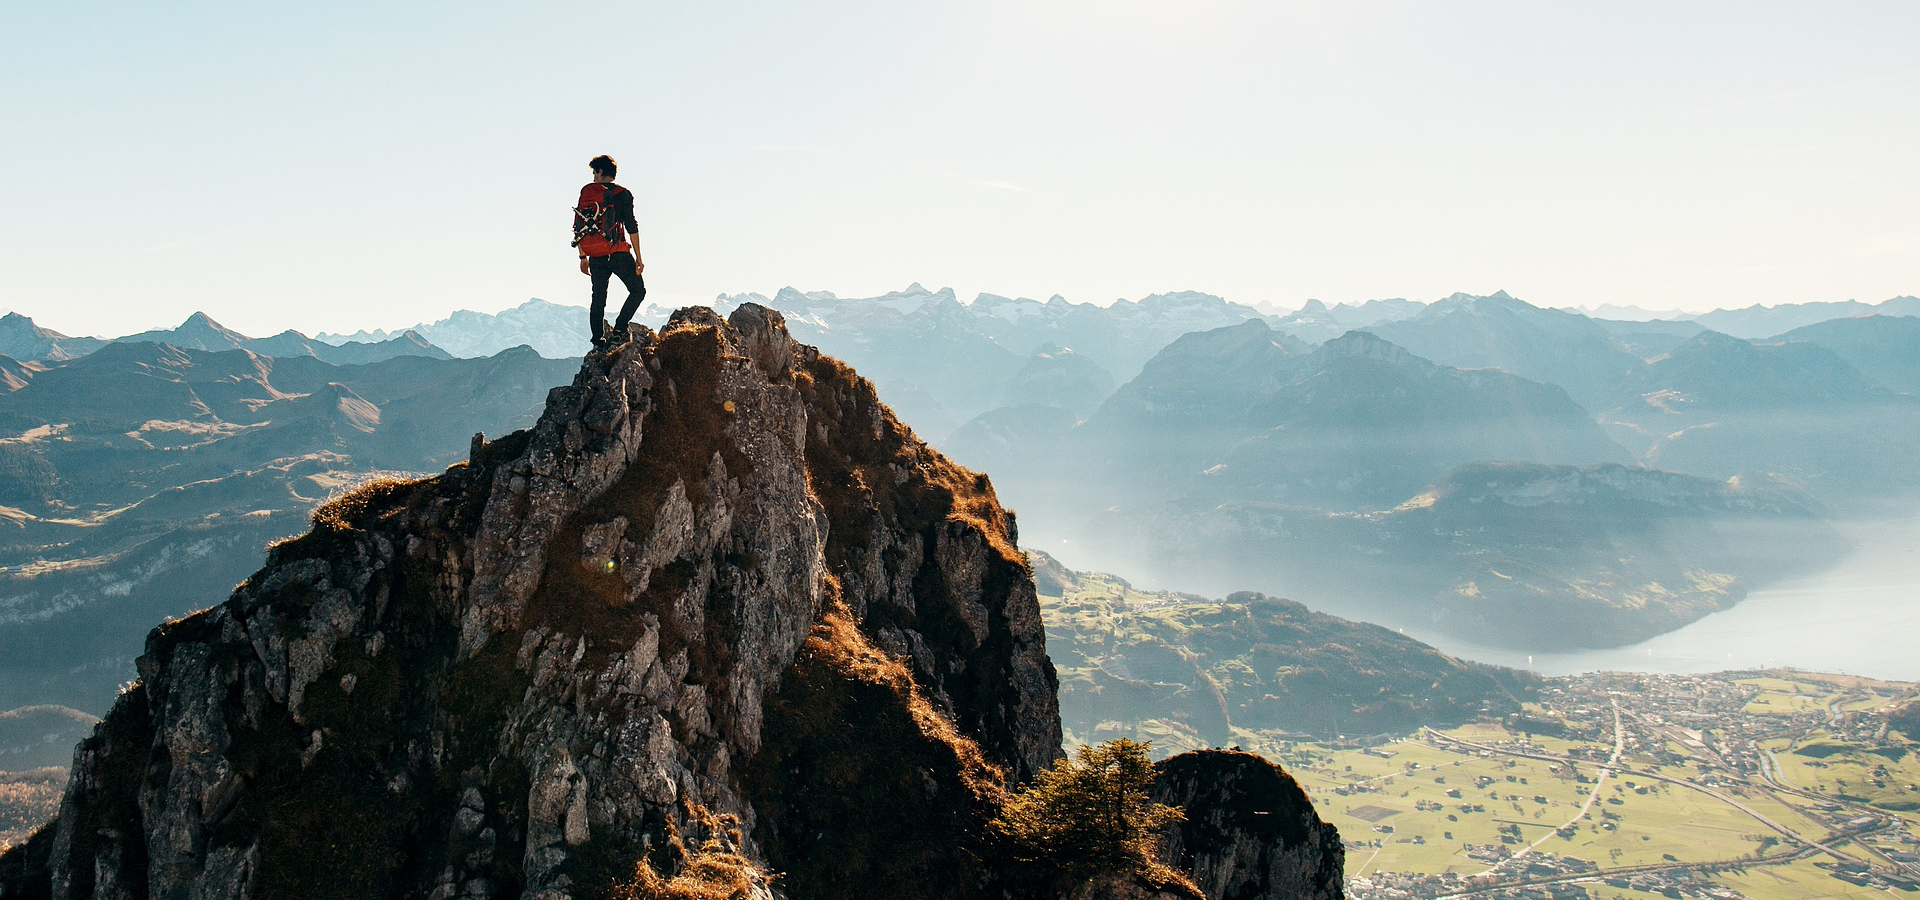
(597, 229)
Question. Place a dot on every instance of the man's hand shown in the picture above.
(639, 265)
(583, 267)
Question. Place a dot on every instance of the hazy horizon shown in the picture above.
(367, 166)
(51, 318)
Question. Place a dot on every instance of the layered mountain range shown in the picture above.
(717, 608)
(1758, 321)
(23, 341)
(1476, 466)
(1720, 406)
(1179, 438)
(942, 362)
(1546, 345)
(1378, 483)
(1148, 437)
(141, 479)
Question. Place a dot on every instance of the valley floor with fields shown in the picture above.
(1765, 785)
(1776, 785)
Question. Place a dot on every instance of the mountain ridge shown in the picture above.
(143, 476)
(716, 583)
(22, 339)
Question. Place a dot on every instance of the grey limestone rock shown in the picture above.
(525, 676)
(1250, 831)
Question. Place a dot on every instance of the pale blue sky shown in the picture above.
(346, 165)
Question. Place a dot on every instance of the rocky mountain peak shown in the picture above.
(644, 612)
(24, 339)
(1716, 342)
(789, 296)
(1182, 298)
(1465, 299)
(1463, 303)
(202, 325)
(336, 401)
(719, 600)
(18, 331)
(198, 332)
(1369, 346)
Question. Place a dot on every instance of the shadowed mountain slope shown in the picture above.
(1366, 423)
(1059, 377)
(1720, 406)
(1240, 413)
(1883, 348)
(1548, 345)
(23, 340)
(1190, 672)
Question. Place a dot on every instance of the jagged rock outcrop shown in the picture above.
(1129, 887)
(1250, 831)
(717, 601)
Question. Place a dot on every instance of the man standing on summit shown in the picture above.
(602, 222)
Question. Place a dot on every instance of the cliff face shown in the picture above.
(1250, 831)
(718, 604)
(575, 651)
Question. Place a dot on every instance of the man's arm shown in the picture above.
(633, 235)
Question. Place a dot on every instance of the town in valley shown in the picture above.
(1770, 785)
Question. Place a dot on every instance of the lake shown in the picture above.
(1861, 617)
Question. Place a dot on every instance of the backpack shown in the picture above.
(597, 229)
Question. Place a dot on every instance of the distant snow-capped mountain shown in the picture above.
(553, 330)
(1316, 321)
(1120, 336)
(940, 362)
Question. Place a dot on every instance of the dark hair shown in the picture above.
(604, 165)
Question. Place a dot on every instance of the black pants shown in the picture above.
(603, 268)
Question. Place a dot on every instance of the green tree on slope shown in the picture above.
(1092, 814)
